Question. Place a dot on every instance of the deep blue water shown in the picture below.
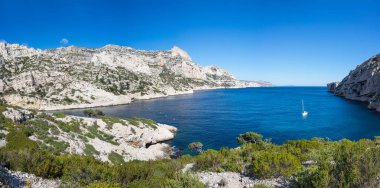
(217, 117)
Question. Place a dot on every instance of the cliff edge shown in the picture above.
(361, 84)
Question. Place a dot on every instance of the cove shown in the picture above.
(217, 117)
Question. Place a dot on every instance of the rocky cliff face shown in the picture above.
(72, 77)
(361, 84)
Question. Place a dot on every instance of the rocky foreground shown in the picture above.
(236, 180)
(362, 84)
(73, 77)
(9, 178)
(107, 139)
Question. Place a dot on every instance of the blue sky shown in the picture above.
(289, 42)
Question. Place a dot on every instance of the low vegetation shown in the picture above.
(136, 122)
(93, 132)
(59, 115)
(250, 137)
(310, 163)
(93, 112)
(116, 158)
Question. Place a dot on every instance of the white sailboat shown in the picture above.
(304, 113)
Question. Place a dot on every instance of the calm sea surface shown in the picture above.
(217, 117)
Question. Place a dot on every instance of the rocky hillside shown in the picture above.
(73, 77)
(362, 84)
(107, 139)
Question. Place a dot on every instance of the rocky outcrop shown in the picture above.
(19, 115)
(362, 84)
(103, 138)
(332, 86)
(236, 180)
(10, 178)
(73, 77)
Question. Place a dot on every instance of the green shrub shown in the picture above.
(354, 164)
(102, 185)
(187, 180)
(262, 186)
(115, 158)
(23, 154)
(93, 113)
(112, 120)
(312, 149)
(94, 132)
(269, 164)
(99, 112)
(148, 122)
(313, 177)
(250, 137)
(357, 164)
(180, 180)
(144, 170)
(89, 150)
(209, 160)
(18, 140)
(72, 126)
(59, 115)
(3, 107)
(81, 170)
(89, 112)
(56, 147)
(68, 100)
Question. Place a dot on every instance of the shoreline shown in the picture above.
(146, 97)
(155, 97)
(112, 103)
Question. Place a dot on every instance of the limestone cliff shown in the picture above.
(73, 77)
(362, 84)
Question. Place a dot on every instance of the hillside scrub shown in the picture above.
(341, 163)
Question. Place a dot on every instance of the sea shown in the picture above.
(217, 117)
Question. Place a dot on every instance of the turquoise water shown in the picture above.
(217, 117)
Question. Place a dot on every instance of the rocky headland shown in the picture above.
(361, 84)
(107, 139)
(73, 77)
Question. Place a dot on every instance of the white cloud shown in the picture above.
(64, 41)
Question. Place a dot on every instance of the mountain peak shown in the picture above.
(176, 51)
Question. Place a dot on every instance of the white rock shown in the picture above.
(22, 179)
(73, 77)
(236, 180)
(176, 51)
(17, 115)
(131, 144)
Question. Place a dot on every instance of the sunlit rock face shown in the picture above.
(73, 77)
(362, 84)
